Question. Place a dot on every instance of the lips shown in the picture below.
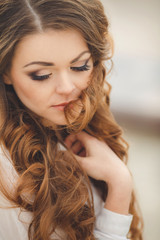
(61, 104)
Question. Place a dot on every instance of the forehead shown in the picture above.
(52, 45)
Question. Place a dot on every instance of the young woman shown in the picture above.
(63, 172)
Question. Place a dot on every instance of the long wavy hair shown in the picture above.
(52, 178)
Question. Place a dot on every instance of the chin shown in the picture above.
(60, 119)
(53, 123)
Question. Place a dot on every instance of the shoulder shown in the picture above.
(4, 156)
(6, 162)
(8, 174)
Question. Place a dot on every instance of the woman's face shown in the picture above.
(49, 70)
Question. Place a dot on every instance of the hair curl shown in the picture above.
(59, 185)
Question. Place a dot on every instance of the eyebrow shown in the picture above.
(52, 64)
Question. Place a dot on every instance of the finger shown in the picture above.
(83, 161)
(76, 147)
(82, 153)
(86, 139)
(69, 141)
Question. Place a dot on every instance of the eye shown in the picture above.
(39, 77)
(85, 67)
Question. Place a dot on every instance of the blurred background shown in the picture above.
(135, 97)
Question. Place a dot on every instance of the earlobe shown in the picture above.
(7, 79)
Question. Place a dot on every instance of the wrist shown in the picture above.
(120, 190)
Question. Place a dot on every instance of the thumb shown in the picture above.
(82, 159)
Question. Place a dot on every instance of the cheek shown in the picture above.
(24, 90)
(27, 92)
(84, 81)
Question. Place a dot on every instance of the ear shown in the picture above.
(7, 79)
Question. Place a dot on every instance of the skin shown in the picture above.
(101, 163)
(60, 48)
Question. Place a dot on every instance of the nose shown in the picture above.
(64, 83)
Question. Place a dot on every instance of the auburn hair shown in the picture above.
(60, 187)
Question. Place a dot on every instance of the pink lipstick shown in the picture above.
(60, 106)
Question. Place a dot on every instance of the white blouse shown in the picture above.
(14, 223)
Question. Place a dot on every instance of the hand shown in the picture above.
(95, 157)
(101, 163)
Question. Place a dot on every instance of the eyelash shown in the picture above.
(85, 67)
(33, 76)
(39, 78)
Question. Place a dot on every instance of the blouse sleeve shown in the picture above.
(109, 225)
(112, 226)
